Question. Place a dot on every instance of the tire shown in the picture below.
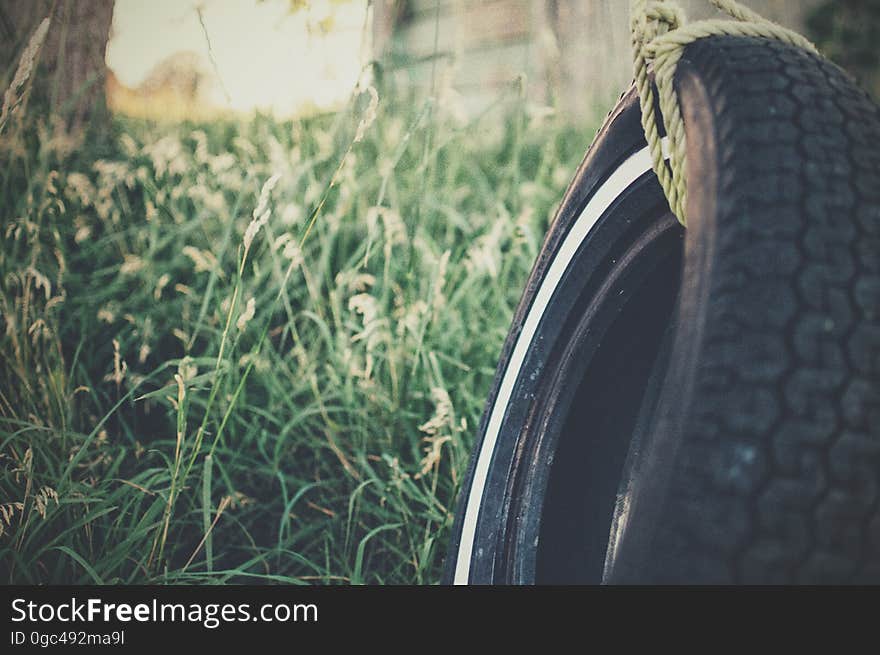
(702, 405)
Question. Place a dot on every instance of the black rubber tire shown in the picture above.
(733, 435)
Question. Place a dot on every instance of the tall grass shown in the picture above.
(258, 350)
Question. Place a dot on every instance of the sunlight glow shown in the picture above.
(268, 57)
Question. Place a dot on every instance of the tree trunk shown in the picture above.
(72, 73)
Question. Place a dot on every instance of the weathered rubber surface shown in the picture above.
(777, 475)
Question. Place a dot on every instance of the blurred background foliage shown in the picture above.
(848, 31)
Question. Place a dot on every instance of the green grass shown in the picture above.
(146, 438)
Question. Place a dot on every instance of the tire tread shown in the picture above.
(778, 473)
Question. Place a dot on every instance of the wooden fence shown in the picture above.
(574, 54)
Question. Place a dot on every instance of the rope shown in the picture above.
(659, 36)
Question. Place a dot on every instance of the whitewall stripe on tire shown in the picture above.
(625, 175)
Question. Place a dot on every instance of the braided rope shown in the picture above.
(659, 36)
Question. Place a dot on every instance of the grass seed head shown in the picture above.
(261, 212)
(13, 98)
(369, 114)
(247, 314)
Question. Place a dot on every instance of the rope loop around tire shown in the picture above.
(660, 33)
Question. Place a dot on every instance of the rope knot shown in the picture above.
(657, 19)
(659, 36)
